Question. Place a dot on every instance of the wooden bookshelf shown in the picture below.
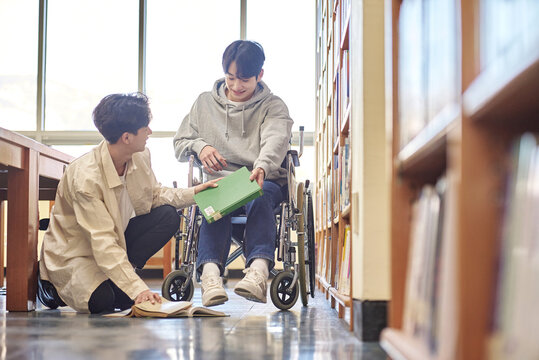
(469, 140)
(332, 149)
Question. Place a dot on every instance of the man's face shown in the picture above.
(240, 90)
(138, 141)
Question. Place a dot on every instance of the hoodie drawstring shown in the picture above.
(242, 121)
(226, 119)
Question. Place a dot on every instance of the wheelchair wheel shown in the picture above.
(172, 285)
(310, 243)
(301, 243)
(282, 295)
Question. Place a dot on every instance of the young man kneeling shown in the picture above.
(110, 216)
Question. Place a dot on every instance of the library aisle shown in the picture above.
(252, 331)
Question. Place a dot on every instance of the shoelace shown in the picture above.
(211, 281)
(253, 276)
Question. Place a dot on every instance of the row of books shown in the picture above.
(323, 255)
(429, 307)
(428, 63)
(333, 195)
(516, 320)
(333, 143)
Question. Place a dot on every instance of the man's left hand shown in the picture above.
(258, 174)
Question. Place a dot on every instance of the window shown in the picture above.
(285, 29)
(92, 51)
(18, 63)
(185, 44)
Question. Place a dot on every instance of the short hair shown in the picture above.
(119, 113)
(248, 55)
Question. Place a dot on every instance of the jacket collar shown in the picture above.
(111, 176)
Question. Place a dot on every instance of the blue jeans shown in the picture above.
(260, 231)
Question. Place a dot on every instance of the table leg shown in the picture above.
(2, 242)
(22, 227)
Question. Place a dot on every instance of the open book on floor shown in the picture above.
(167, 309)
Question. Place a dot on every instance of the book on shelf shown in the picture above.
(323, 255)
(336, 182)
(429, 273)
(232, 192)
(167, 309)
(345, 181)
(515, 321)
(345, 83)
(337, 35)
(344, 276)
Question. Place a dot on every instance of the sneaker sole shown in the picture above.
(247, 295)
(216, 300)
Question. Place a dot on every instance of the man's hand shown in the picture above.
(147, 295)
(258, 174)
(211, 159)
(208, 184)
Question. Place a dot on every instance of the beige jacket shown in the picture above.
(85, 244)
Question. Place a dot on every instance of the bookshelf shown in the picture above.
(463, 129)
(333, 177)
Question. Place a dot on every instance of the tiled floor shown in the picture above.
(253, 331)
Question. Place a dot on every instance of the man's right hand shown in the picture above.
(211, 159)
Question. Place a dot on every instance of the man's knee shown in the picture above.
(169, 217)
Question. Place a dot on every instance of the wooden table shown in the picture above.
(29, 171)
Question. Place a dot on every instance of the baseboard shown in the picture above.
(150, 273)
(370, 317)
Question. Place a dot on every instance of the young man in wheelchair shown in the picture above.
(239, 123)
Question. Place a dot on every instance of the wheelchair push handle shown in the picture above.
(301, 130)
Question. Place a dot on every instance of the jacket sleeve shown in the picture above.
(187, 137)
(275, 134)
(98, 226)
(162, 195)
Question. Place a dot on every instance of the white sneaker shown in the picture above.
(213, 292)
(253, 286)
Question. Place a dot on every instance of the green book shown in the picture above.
(233, 192)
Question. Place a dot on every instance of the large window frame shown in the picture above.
(73, 137)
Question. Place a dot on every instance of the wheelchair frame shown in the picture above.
(295, 214)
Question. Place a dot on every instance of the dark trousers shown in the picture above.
(145, 235)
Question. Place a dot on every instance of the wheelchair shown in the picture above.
(295, 213)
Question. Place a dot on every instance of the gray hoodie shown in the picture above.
(254, 134)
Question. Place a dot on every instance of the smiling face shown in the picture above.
(238, 89)
(137, 142)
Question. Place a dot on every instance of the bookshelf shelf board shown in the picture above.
(336, 72)
(323, 282)
(346, 211)
(401, 346)
(425, 154)
(506, 94)
(336, 220)
(342, 299)
(345, 34)
(345, 125)
(328, 106)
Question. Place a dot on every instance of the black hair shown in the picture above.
(248, 55)
(119, 113)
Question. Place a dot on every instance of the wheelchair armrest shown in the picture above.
(197, 161)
